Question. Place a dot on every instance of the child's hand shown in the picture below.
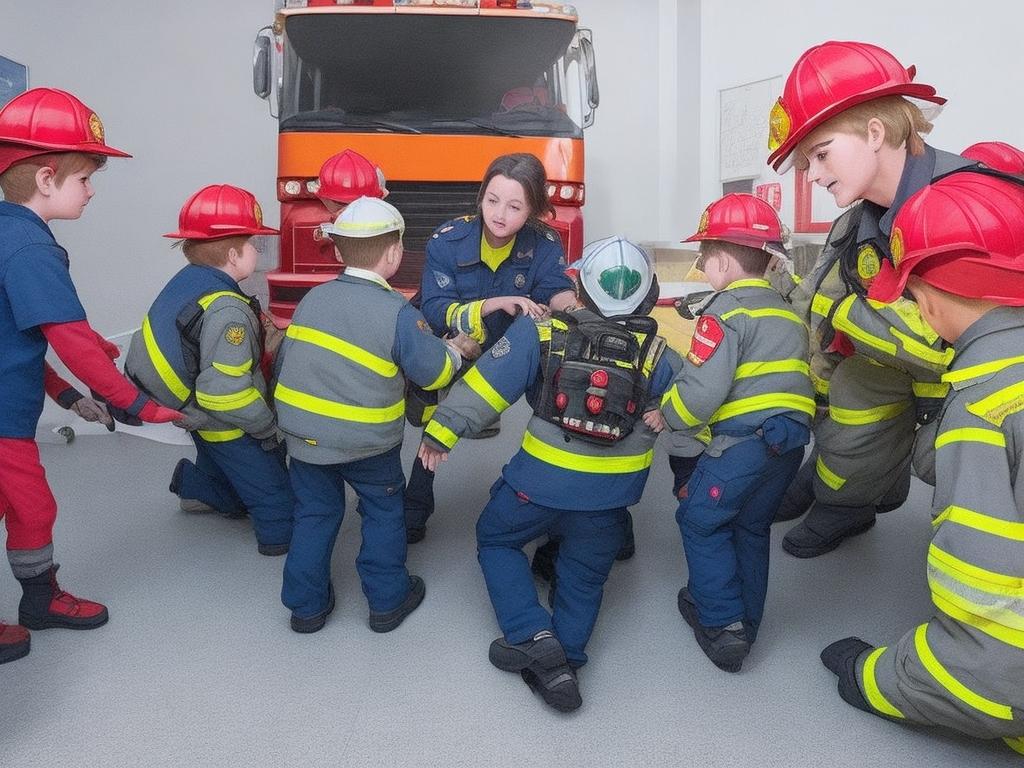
(465, 346)
(90, 410)
(431, 456)
(655, 420)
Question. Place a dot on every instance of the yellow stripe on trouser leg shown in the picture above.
(872, 692)
(828, 477)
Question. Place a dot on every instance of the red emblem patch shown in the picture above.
(706, 337)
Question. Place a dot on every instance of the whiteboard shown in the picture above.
(743, 128)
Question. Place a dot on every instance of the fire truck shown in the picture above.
(431, 91)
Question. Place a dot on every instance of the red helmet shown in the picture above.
(220, 210)
(829, 79)
(347, 176)
(742, 219)
(963, 234)
(997, 155)
(53, 121)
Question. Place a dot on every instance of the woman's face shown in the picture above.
(504, 209)
(845, 164)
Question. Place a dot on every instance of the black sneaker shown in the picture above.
(389, 620)
(316, 622)
(541, 662)
(415, 534)
(727, 646)
(272, 550)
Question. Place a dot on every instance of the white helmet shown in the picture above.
(616, 277)
(366, 217)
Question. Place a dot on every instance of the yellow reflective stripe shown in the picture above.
(476, 381)
(748, 370)
(234, 370)
(922, 351)
(930, 389)
(951, 684)
(163, 368)
(442, 434)
(334, 410)
(910, 314)
(544, 332)
(764, 402)
(208, 299)
(821, 305)
(859, 417)
(785, 314)
(828, 477)
(672, 396)
(600, 465)
(1015, 743)
(559, 324)
(821, 386)
(469, 320)
(428, 412)
(974, 576)
(979, 522)
(1014, 637)
(749, 282)
(220, 436)
(445, 376)
(997, 406)
(971, 435)
(874, 695)
(231, 402)
(842, 322)
(449, 313)
(974, 371)
(349, 351)
(704, 435)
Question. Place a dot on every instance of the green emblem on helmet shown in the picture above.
(620, 282)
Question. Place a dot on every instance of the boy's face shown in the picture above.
(248, 258)
(845, 164)
(69, 198)
(714, 263)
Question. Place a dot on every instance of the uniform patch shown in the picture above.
(235, 334)
(868, 263)
(442, 280)
(896, 246)
(523, 255)
(257, 213)
(779, 126)
(501, 347)
(520, 280)
(706, 337)
(423, 325)
(702, 226)
(96, 127)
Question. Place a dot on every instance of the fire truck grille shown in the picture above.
(425, 206)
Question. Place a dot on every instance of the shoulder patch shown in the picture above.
(423, 325)
(442, 280)
(520, 280)
(501, 347)
(235, 334)
(706, 337)
(524, 254)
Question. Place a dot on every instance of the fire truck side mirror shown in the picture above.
(261, 64)
(590, 68)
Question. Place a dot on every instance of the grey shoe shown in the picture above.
(385, 621)
(727, 646)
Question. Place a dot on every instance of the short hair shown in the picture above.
(19, 181)
(903, 122)
(529, 172)
(751, 260)
(365, 252)
(212, 253)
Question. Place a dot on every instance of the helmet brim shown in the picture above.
(194, 234)
(88, 147)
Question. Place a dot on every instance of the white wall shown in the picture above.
(970, 52)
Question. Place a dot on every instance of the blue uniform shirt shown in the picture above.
(455, 275)
(35, 289)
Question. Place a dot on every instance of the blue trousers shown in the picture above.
(239, 475)
(319, 510)
(589, 543)
(725, 520)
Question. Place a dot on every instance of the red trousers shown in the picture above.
(26, 502)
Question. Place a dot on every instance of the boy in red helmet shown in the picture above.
(958, 248)
(852, 117)
(742, 402)
(347, 176)
(50, 145)
(200, 349)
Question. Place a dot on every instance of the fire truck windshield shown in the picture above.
(430, 74)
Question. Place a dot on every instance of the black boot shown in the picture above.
(44, 605)
(825, 528)
(727, 647)
(389, 620)
(841, 659)
(800, 494)
(541, 661)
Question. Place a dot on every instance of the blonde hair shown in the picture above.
(19, 181)
(211, 253)
(365, 252)
(902, 120)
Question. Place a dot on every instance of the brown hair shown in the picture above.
(528, 171)
(19, 181)
(212, 253)
(751, 260)
(902, 120)
(365, 252)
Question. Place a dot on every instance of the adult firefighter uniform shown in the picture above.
(199, 350)
(584, 458)
(964, 668)
(878, 366)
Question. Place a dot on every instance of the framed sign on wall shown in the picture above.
(13, 79)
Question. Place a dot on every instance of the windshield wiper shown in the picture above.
(398, 127)
(479, 124)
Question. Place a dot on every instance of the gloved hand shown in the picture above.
(154, 413)
(90, 410)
